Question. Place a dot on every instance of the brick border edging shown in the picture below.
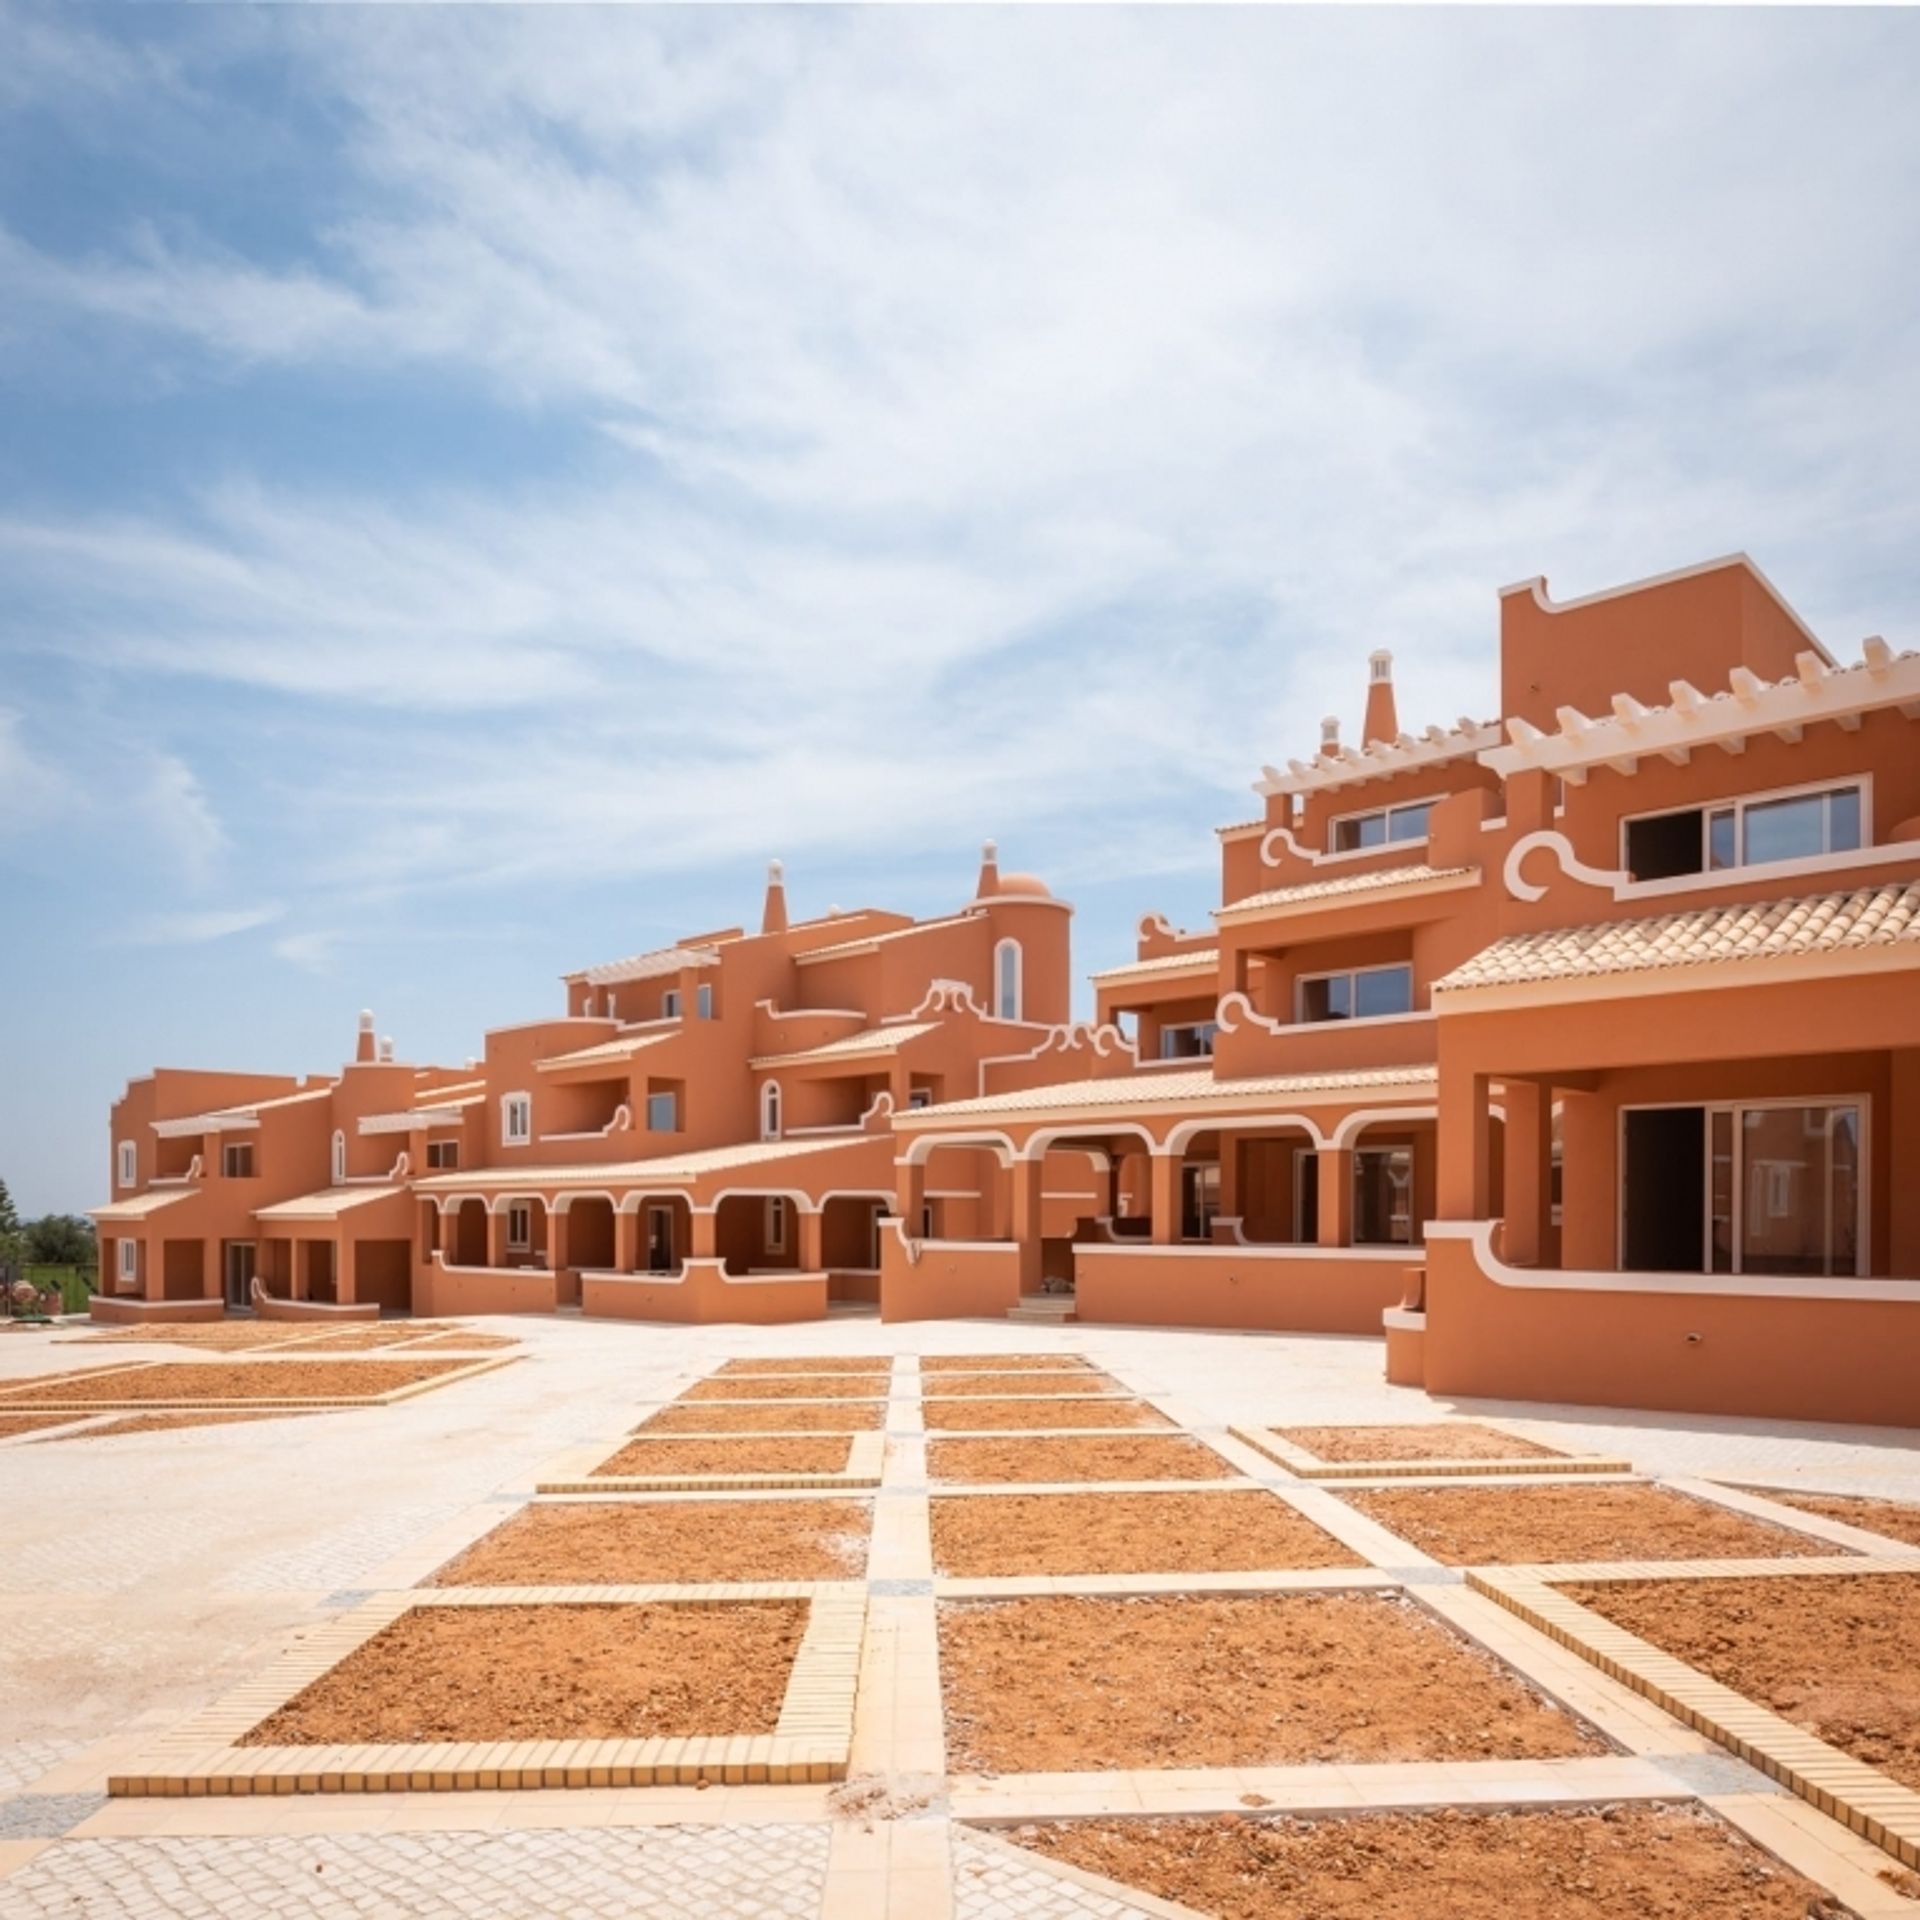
(1304, 1466)
(811, 1741)
(1860, 1797)
(865, 1458)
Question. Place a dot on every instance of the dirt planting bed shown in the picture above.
(811, 1387)
(1833, 1653)
(1069, 1457)
(968, 1386)
(1627, 1862)
(166, 1422)
(990, 1535)
(551, 1673)
(688, 1542)
(219, 1336)
(375, 1334)
(710, 1416)
(1004, 1363)
(462, 1342)
(1069, 1684)
(1435, 1440)
(810, 1363)
(218, 1381)
(809, 1454)
(1005, 1416)
(1507, 1526)
(1896, 1519)
(14, 1424)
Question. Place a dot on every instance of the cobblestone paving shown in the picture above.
(710, 1873)
(989, 1885)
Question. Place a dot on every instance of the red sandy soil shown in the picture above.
(688, 1542)
(376, 1334)
(990, 1535)
(551, 1673)
(221, 1335)
(1050, 1457)
(1833, 1653)
(13, 1424)
(1894, 1518)
(1003, 1362)
(1623, 1862)
(822, 1454)
(1469, 1526)
(1071, 1684)
(810, 1363)
(955, 1386)
(1002, 1416)
(165, 1422)
(39, 1387)
(215, 1381)
(1437, 1440)
(707, 1416)
(814, 1387)
(462, 1342)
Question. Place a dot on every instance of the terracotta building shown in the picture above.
(1579, 1045)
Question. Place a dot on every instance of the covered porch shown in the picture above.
(344, 1246)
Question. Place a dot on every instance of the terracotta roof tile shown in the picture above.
(1370, 882)
(1167, 1089)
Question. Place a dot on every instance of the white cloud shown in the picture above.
(32, 788)
(198, 927)
(313, 951)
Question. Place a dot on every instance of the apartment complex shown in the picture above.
(1579, 1046)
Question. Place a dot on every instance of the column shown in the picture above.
(1464, 1153)
(812, 1241)
(626, 1239)
(1024, 1222)
(704, 1241)
(496, 1236)
(153, 1269)
(345, 1269)
(1164, 1185)
(910, 1194)
(1526, 1169)
(1334, 1169)
(1895, 1144)
(557, 1250)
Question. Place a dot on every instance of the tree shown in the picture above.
(61, 1240)
(11, 1243)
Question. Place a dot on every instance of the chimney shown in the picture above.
(386, 1050)
(989, 882)
(1330, 734)
(773, 916)
(1382, 726)
(364, 1047)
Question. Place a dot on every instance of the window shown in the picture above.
(519, 1227)
(1199, 1199)
(770, 1111)
(128, 1264)
(443, 1154)
(670, 1004)
(776, 1223)
(1383, 1197)
(926, 1220)
(1006, 980)
(128, 1156)
(1191, 1040)
(1384, 826)
(1366, 993)
(236, 1159)
(703, 1001)
(919, 1097)
(663, 1112)
(339, 1159)
(1743, 833)
(516, 1119)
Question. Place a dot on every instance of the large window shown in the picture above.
(516, 1119)
(1189, 1040)
(1355, 832)
(1363, 993)
(1006, 980)
(1199, 1199)
(1761, 1187)
(1751, 832)
(703, 1001)
(236, 1159)
(663, 1111)
(127, 1269)
(443, 1155)
(519, 1227)
(128, 1157)
(670, 1004)
(1383, 1197)
(776, 1223)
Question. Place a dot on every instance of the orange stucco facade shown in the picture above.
(1577, 1046)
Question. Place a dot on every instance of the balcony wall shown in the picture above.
(952, 1279)
(1272, 1289)
(1326, 1046)
(703, 1293)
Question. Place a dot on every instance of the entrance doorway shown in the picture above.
(660, 1238)
(241, 1265)
(1663, 1179)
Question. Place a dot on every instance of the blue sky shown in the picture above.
(474, 484)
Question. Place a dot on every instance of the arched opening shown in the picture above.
(339, 1159)
(1006, 980)
(590, 1240)
(757, 1233)
(770, 1111)
(469, 1234)
(850, 1229)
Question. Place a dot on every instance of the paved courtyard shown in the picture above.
(144, 1575)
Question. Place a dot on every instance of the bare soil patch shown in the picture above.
(219, 1336)
(165, 1422)
(811, 1387)
(1606, 1863)
(1069, 1684)
(43, 1385)
(551, 1673)
(13, 1424)
(810, 1454)
(1067, 1457)
(221, 1380)
(375, 1334)
(710, 1416)
(811, 1363)
(463, 1342)
(961, 1386)
(1833, 1653)
(1895, 1518)
(1004, 1363)
(990, 1535)
(689, 1542)
(1435, 1440)
(1505, 1526)
(1001, 1416)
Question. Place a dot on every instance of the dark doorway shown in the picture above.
(1662, 1190)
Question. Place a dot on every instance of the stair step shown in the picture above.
(1050, 1309)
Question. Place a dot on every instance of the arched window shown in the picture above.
(770, 1111)
(1006, 980)
(339, 1159)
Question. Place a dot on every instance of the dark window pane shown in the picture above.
(1664, 844)
(1409, 823)
(1843, 820)
(1786, 829)
(1722, 850)
(1382, 990)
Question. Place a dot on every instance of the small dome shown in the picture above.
(1028, 883)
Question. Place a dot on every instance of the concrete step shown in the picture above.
(1043, 1309)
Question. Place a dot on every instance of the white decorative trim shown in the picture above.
(1725, 1286)
(1403, 1320)
(1229, 1016)
(1188, 1130)
(621, 1122)
(1338, 766)
(1042, 1139)
(921, 1145)
(1409, 1256)
(1357, 1123)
